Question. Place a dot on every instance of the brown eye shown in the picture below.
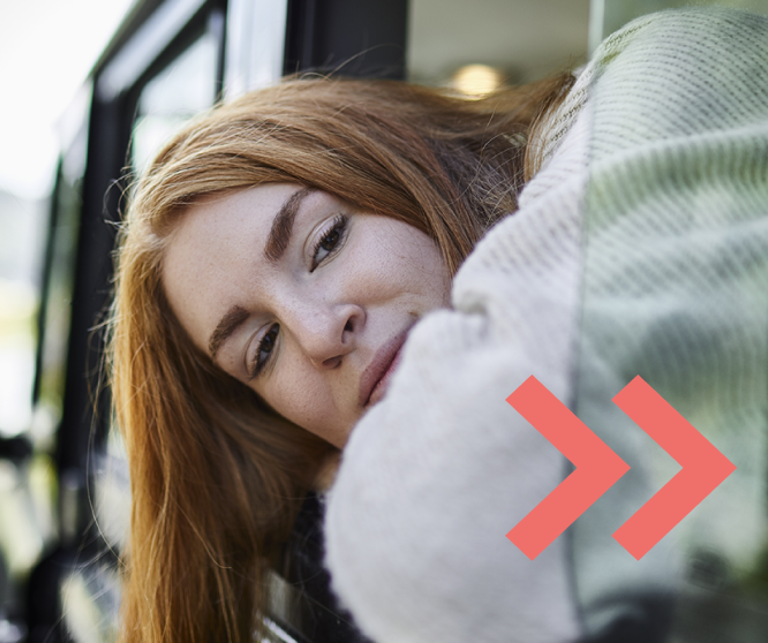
(264, 350)
(268, 343)
(331, 241)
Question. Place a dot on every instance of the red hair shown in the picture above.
(216, 476)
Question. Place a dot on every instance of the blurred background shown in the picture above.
(47, 48)
(91, 88)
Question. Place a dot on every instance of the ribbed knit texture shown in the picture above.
(640, 248)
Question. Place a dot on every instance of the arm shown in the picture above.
(601, 273)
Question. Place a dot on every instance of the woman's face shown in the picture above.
(302, 297)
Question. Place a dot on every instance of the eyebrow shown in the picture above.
(277, 242)
(228, 324)
(282, 225)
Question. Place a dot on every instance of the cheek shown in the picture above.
(303, 397)
(298, 394)
(419, 269)
(403, 261)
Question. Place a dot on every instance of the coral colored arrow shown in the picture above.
(597, 467)
(704, 467)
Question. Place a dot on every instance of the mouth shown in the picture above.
(376, 377)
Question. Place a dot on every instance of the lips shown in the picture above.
(375, 379)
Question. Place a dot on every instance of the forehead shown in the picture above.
(211, 253)
(219, 216)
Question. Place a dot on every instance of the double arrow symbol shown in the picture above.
(598, 468)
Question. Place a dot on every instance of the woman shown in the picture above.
(278, 252)
(372, 193)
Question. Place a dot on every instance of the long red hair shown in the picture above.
(216, 476)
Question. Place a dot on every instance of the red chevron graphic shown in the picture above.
(597, 467)
(704, 467)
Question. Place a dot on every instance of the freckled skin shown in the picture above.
(337, 293)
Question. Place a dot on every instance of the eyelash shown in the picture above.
(338, 227)
(257, 365)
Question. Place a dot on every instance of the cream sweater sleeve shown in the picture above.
(436, 475)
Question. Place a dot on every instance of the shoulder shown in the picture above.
(688, 36)
(689, 25)
(678, 73)
(666, 74)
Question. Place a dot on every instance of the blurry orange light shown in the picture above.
(477, 80)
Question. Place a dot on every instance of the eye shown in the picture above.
(330, 240)
(263, 351)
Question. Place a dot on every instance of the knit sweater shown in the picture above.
(641, 247)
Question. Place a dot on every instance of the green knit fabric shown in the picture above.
(640, 248)
(675, 289)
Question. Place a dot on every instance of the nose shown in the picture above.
(325, 333)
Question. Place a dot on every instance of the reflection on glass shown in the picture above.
(184, 88)
(476, 81)
(57, 313)
(22, 221)
(523, 40)
(178, 92)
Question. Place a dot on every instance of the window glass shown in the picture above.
(91, 593)
(57, 312)
(184, 88)
(515, 40)
(181, 90)
(22, 222)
